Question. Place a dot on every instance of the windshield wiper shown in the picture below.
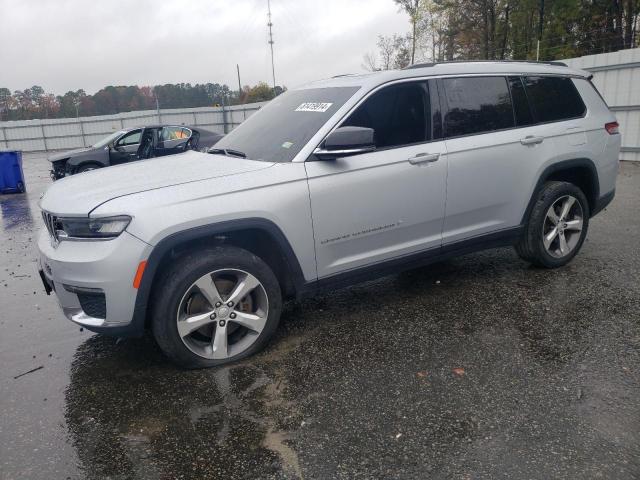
(228, 152)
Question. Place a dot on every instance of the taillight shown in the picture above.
(612, 128)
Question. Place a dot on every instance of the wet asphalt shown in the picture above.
(479, 367)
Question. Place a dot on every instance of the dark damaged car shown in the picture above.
(130, 145)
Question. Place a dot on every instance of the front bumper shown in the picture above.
(58, 170)
(93, 280)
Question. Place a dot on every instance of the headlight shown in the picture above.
(107, 227)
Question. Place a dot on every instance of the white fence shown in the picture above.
(67, 133)
(617, 76)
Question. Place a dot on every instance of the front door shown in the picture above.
(388, 203)
(125, 149)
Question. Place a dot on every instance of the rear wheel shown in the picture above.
(557, 226)
(216, 306)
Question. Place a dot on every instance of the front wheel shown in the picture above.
(87, 167)
(215, 306)
(557, 226)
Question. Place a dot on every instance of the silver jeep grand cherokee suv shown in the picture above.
(329, 184)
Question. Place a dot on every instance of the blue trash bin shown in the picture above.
(11, 174)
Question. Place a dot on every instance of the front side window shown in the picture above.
(131, 138)
(477, 105)
(398, 115)
(107, 140)
(279, 130)
(554, 98)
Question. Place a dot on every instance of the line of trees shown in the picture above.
(508, 29)
(34, 102)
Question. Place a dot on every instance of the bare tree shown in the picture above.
(370, 62)
(387, 48)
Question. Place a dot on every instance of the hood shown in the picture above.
(79, 194)
(68, 154)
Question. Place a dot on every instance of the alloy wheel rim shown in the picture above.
(222, 313)
(562, 227)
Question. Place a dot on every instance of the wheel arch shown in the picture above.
(582, 172)
(85, 164)
(257, 235)
(98, 157)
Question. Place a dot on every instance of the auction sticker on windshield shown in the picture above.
(313, 107)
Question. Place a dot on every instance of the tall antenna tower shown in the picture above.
(270, 24)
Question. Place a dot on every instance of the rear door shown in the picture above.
(494, 150)
(388, 203)
(173, 139)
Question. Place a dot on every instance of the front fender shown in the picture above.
(173, 241)
(99, 156)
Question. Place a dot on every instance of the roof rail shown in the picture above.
(432, 64)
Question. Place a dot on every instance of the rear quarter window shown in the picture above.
(554, 98)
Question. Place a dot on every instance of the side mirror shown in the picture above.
(346, 141)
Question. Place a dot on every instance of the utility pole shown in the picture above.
(540, 25)
(155, 94)
(244, 112)
(270, 24)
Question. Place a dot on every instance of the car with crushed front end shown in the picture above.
(132, 144)
(336, 182)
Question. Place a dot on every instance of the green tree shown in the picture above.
(415, 9)
(5, 95)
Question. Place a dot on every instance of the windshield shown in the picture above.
(279, 130)
(107, 140)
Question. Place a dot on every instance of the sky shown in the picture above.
(65, 45)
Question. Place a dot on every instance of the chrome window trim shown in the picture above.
(424, 78)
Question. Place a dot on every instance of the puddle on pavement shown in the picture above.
(130, 412)
(15, 210)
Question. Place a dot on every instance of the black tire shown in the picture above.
(86, 167)
(531, 247)
(20, 187)
(178, 278)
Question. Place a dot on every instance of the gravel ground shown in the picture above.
(479, 367)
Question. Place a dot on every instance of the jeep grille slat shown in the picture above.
(50, 222)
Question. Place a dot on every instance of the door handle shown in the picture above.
(531, 140)
(424, 158)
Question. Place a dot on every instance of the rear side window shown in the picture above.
(520, 103)
(398, 114)
(174, 133)
(554, 98)
(477, 105)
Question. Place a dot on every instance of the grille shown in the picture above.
(93, 304)
(51, 222)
